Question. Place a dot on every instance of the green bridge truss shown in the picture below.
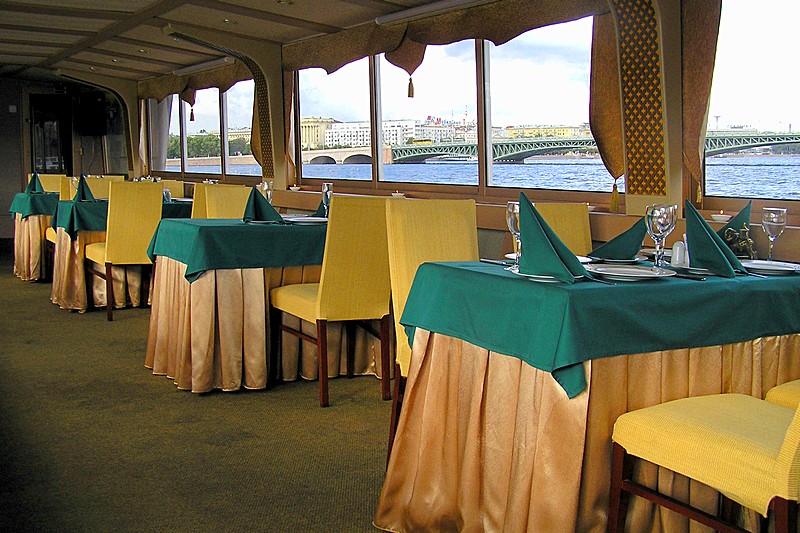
(518, 149)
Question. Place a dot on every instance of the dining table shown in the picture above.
(514, 385)
(210, 325)
(32, 213)
(82, 222)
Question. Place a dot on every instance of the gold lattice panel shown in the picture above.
(640, 72)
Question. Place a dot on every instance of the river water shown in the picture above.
(758, 176)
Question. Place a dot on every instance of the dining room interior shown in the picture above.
(342, 266)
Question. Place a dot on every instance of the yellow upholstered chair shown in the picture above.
(786, 394)
(420, 231)
(50, 182)
(175, 188)
(745, 448)
(219, 201)
(134, 210)
(353, 285)
(99, 186)
(66, 189)
(570, 221)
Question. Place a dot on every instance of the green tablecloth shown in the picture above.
(91, 215)
(27, 204)
(556, 327)
(209, 244)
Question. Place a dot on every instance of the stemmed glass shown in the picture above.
(512, 219)
(327, 190)
(773, 220)
(660, 220)
(267, 187)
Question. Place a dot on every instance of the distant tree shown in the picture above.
(203, 146)
(237, 145)
(174, 147)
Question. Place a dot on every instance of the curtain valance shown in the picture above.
(186, 85)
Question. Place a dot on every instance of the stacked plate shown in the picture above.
(628, 272)
(305, 220)
(773, 268)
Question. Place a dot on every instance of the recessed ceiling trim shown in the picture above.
(161, 22)
(119, 27)
(32, 42)
(62, 11)
(147, 45)
(232, 9)
(112, 66)
(42, 29)
(141, 58)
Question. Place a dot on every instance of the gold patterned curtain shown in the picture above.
(186, 85)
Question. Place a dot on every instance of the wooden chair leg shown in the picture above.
(397, 405)
(621, 468)
(322, 350)
(350, 337)
(109, 293)
(785, 512)
(385, 363)
(274, 344)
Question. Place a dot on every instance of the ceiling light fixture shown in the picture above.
(229, 21)
(203, 66)
(115, 60)
(143, 51)
(427, 10)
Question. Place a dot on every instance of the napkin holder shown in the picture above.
(740, 242)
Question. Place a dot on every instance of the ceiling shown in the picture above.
(124, 38)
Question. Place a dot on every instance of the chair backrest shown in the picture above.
(66, 189)
(225, 201)
(787, 465)
(99, 186)
(175, 188)
(570, 221)
(134, 210)
(113, 177)
(50, 182)
(354, 281)
(420, 231)
(199, 204)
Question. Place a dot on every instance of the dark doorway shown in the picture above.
(51, 131)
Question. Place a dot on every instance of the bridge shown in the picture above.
(516, 150)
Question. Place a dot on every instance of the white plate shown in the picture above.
(694, 270)
(306, 220)
(187, 200)
(778, 268)
(629, 272)
(619, 261)
(534, 277)
(581, 258)
(650, 252)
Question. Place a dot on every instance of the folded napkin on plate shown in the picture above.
(736, 223)
(84, 193)
(706, 248)
(34, 185)
(626, 245)
(258, 208)
(320, 212)
(543, 253)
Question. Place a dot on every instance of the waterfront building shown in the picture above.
(312, 131)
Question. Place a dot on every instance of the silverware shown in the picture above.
(496, 262)
(598, 280)
(696, 277)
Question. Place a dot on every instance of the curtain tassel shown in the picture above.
(191, 115)
(410, 88)
(615, 198)
(699, 194)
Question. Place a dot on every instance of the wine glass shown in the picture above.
(660, 220)
(512, 219)
(773, 220)
(327, 190)
(267, 186)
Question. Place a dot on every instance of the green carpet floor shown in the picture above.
(90, 440)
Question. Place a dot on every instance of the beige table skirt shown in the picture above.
(215, 333)
(30, 246)
(486, 442)
(69, 276)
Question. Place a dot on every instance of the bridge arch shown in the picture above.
(357, 159)
(322, 160)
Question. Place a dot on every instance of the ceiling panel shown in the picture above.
(102, 5)
(53, 22)
(38, 37)
(115, 62)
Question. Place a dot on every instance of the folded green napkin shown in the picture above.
(320, 212)
(84, 193)
(740, 220)
(626, 245)
(543, 253)
(706, 248)
(258, 208)
(34, 185)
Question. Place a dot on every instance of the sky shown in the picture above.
(542, 78)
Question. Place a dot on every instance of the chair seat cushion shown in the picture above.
(96, 252)
(50, 234)
(727, 441)
(787, 394)
(299, 300)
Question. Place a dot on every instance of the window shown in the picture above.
(239, 112)
(432, 137)
(335, 128)
(165, 134)
(540, 111)
(754, 93)
(203, 144)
